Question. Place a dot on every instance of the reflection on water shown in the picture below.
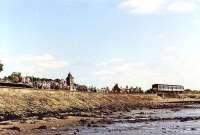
(170, 127)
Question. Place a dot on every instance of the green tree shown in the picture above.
(1, 67)
(15, 77)
(116, 89)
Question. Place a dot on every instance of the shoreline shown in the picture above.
(19, 104)
(35, 111)
(70, 123)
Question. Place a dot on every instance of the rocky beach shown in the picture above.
(28, 111)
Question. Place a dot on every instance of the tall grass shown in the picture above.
(26, 101)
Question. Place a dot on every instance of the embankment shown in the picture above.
(22, 103)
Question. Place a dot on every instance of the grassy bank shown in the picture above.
(19, 103)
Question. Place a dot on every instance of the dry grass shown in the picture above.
(191, 95)
(22, 102)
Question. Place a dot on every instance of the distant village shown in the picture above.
(68, 84)
(17, 80)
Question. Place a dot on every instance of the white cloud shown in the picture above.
(160, 36)
(142, 6)
(117, 60)
(124, 72)
(168, 68)
(158, 6)
(103, 74)
(102, 64)
(171, 48)
(43, 61)
(196, 21)
(38, 65)
(182, 6)
(35, 58)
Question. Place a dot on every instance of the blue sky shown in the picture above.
(102, 42)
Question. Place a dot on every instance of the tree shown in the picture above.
(15, 77)
(150, 91)
(1, 67)
(82, 88)
(116, 89)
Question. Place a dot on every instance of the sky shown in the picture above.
(103, 42)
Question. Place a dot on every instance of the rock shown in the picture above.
(95, 125)
(83, 121)
(128, 117)
(193, 129)
(141, 113)
(53, 128)
(31, 122)
(42, 127)
(89, 125)
(6, 123)
(106, 121)
(185, 119)
(92, 122)
(62, 116)
(175, 109)
(2, 118)
(14, 128)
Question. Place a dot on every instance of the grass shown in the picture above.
(192, 95)
(22, 102)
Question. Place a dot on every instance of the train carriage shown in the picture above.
(167, 90)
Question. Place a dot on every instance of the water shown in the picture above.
(170, 127)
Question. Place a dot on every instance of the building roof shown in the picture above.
(167, 85)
